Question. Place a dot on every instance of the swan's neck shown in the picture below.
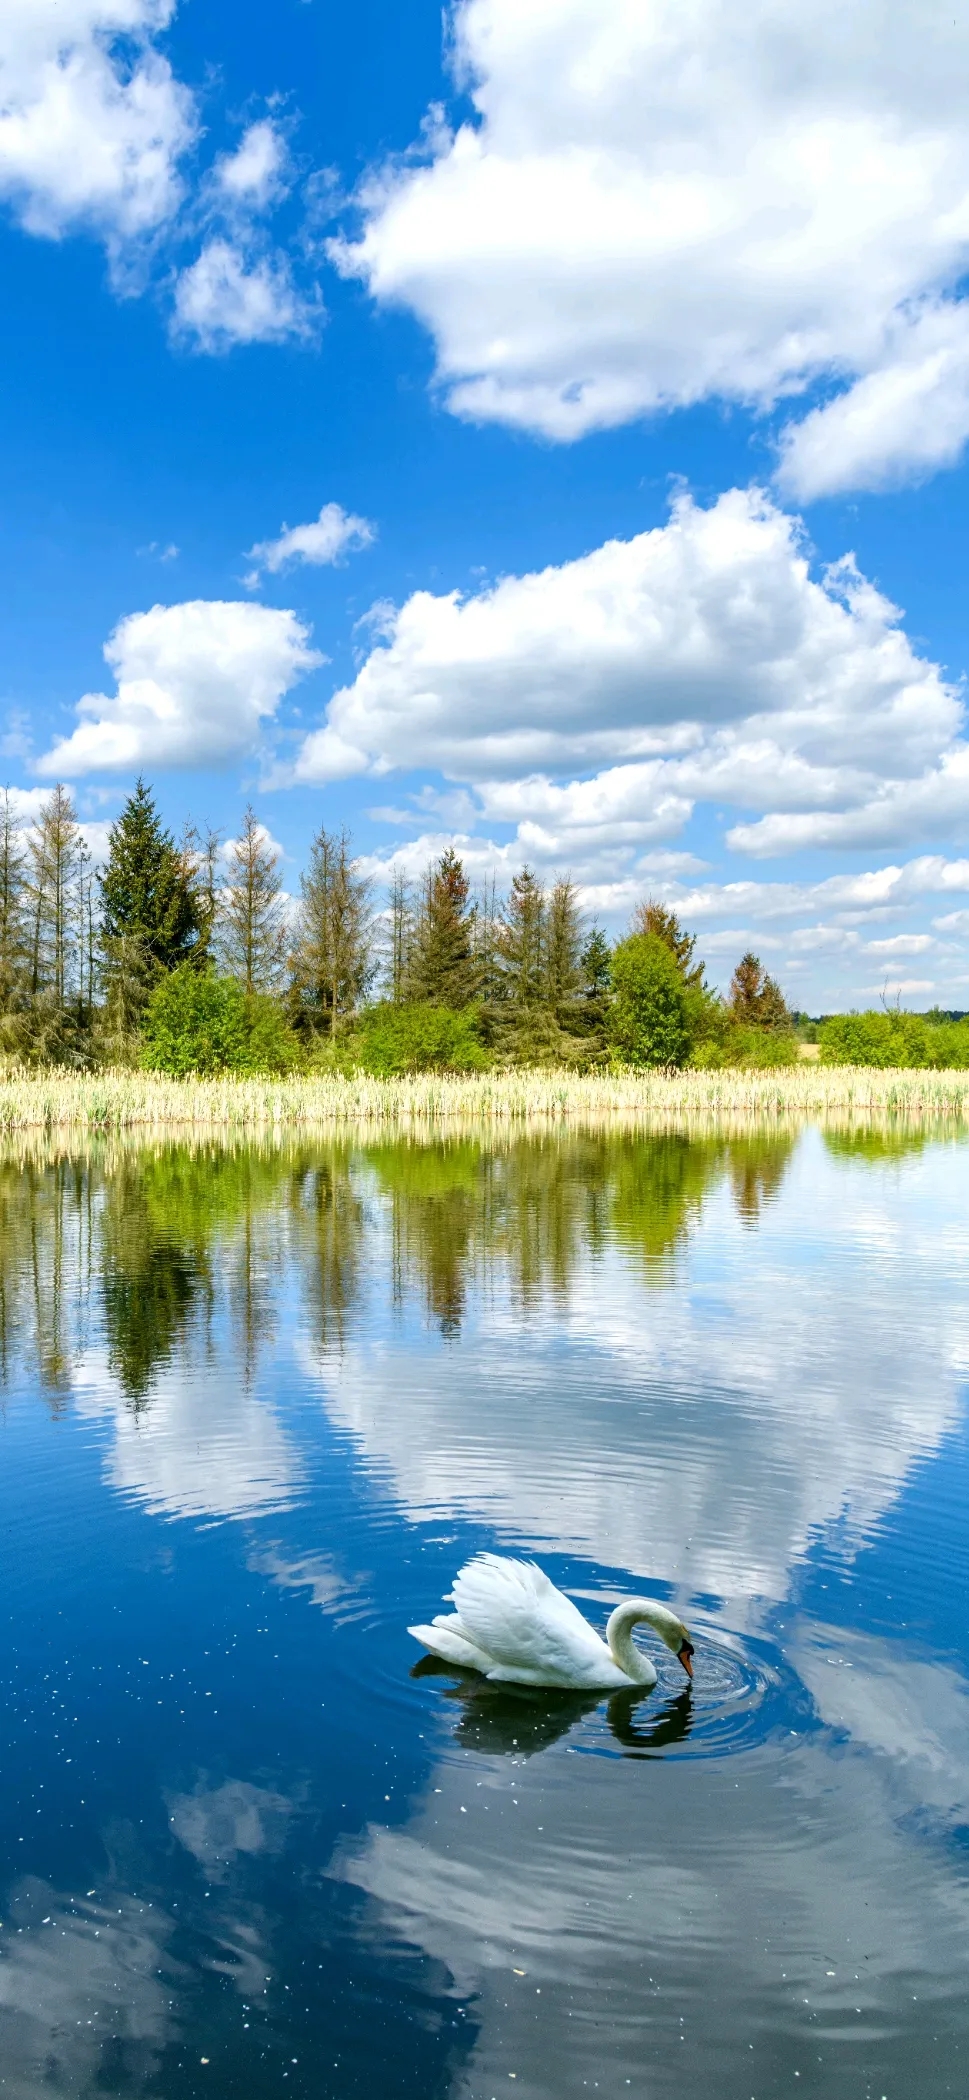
(636, 1611)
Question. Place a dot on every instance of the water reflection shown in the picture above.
(243, 1842)
(511, 1720)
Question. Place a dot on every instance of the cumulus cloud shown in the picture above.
(195, 683)
(227, 296)
(92, 120)
(656, 205)
(702, 660)
(899, 422)
(253, 177)
(334, 533)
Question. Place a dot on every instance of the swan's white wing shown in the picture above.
(447, 1638)
(515, 1614)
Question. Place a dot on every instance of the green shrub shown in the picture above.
(654, 1013)
(898, 1040)
(745, 1049)
(196, 1022)
(419, 1038)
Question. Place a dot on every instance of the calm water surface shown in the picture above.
(256, 1409)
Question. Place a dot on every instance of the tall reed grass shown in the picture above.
(84, 1104)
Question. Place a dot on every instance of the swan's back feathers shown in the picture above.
(511, 1610)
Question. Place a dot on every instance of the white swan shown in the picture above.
(513, 1625)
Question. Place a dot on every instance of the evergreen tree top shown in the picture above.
(145, 890)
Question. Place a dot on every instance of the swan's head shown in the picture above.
(675, 1634)
(644, 1611)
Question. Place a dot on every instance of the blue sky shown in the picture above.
(577, 349)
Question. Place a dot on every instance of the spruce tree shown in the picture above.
(521, 941)
(147, 906)
(755, 999)
(443, 969)
(251, 934)
(595, 966)
(563, 950)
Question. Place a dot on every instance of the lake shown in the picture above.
(259, 1404)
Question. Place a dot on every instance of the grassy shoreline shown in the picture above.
(85, 1104)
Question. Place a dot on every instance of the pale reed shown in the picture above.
(78, 1105)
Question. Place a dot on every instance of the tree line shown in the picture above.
(189, 956)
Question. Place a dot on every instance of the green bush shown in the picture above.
(654, 1016)
(749, 1049)
(419, 1038)
(897, 1040)
(196, 1022)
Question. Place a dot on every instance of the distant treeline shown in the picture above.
(188, 957)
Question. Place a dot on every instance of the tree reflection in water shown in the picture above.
(134, 1246)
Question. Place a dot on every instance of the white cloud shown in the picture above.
(698, 661)
(335, 532)
(228, 296)
(660, 204)
(195, 682)
(897, 423)
(902, 944)
(92, 119)
(641, 649)
(253, 177)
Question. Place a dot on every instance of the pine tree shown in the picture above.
(13, 905)
(333, 959)
(53, 859)
(595, 966)
(487, 922)
(400, 933)
(521, 941)
(563, 950)
(200, 855)
(442, 966)
(653, 917)
(756, 1000)
(150, 920)
(251, 926)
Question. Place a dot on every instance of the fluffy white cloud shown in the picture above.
(195, 682)
(700, 661)
(900, 421)
(92, 119)
(253, 177)
(335, 532)
(228, 296)
(656, 204)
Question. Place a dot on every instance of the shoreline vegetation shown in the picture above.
(190, 963)
(83, 1105)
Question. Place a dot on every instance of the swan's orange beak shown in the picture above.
(685, 1656)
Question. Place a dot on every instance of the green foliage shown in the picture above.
(332, 964)
(148, 905)
(654, 1016)
(729, 1045)
(521, 942)
(198, 1023)
(894, 1040)
(419, 1038)
(653, 917)
(442, 970)
(756, 1000)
